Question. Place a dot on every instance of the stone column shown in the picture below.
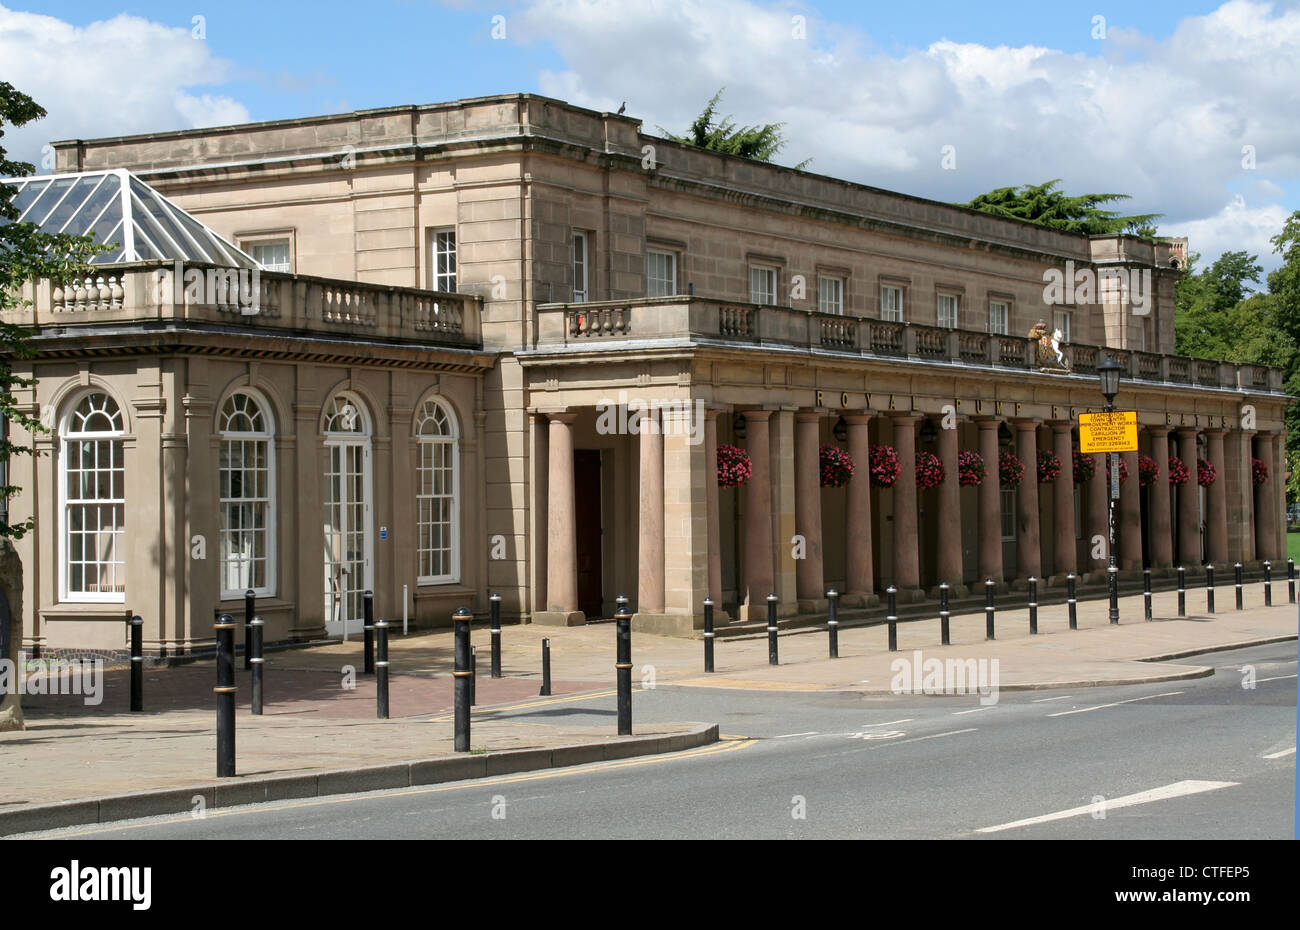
(1216, 518)
(758, 518)
(1278, 468)
(1189, 504)
(781, 480)
(561, 526)
(1063, 501)
(859, 574)
(907, 554)
(650, 539)
(808, 508)
(990, 503)
(713, 522)
(1098, 516)
(1265, 515)
(685, 521)
(1162, 540)
(1029, 554)
(950, 565)
(1130, 516)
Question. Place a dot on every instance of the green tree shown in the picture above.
(1207, 313)
(723, 135)
(1046, 205)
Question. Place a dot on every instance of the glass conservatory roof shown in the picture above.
(116, 207)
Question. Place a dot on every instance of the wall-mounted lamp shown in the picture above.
(929, 432)
(738, 426)
(840, 430)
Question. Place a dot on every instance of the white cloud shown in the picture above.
(116, 77)
(1235, 228)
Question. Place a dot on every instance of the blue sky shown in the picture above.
(1164, 106)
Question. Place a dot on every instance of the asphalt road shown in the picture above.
(1204, 758)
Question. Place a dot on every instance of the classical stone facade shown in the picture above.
(739, 302)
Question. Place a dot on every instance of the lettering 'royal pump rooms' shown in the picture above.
(411, 387)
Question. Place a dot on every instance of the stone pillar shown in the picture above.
(1216, 518)
(859, 574)
(561, 526)
(1129, 531)
(1278, 485)
(1265, 515)
(950, 564)
(713, 523)
(650, 539)
(1189, 504)
(1029, 554)
(907, 554)
(1063, 501)
(1162, 540)
(781, 480)
(990, 503)
(1098, 517)
(808, 508)
(758, 518)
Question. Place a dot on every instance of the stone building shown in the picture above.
(593, 271)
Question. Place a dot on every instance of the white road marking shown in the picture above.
(879, 734)
(789, 735)
(1063, 697)
(917, 739)
(1279, 755)
(1259, 681)
(1176, 790)
(888, 723)
(975, 710)
(1084, 710)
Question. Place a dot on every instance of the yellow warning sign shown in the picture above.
(1108, 432)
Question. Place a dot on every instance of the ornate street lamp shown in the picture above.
(1108, 373)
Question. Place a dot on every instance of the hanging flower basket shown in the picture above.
(929, 471)
(734, 466)
(1258, 471)
(1011, 471)
(1049, 466)
(1178, 471)
(836, 467)
(1085, 466)
(884, 466)
(1148, 471)
(970, 469)
(1205, 473)
(1123, 469)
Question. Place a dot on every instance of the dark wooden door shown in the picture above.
(586, 479)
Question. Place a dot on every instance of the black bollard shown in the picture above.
(225, 692)
(1112, 583)
(1209, 588)
(623, 666)
(368, 631)
(249, 607)
(258, 663)
(473, 675)
(945, 637)
(1072, 600)
(988, 609)
(771, 630)
(833, 621)
(1182, 591)
(708, 634)
(1033, 606)
(892, 594)
(546, 669)
(137, 664)
(495, 601)
(381, 669)
(1146, 593)
(1268, 583)
(1290, 580)
(1236, 571)
(460, 620)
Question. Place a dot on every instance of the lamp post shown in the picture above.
(1108, 373)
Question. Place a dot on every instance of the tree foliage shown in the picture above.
(723, 135)
(1047, 205)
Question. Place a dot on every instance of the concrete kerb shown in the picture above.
(414, 774)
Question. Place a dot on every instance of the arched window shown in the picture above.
(93, 481)
(246, 481)
(437, 494)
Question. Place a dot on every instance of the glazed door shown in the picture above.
(349, 564)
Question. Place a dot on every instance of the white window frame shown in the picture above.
(1005, 494)
(939, 302)
(667, 287)
(118, 449)
(581, 261)
(758, 294)
(444, 281)
(426, 445)
(266, 437)
(830, 294)
(251, 246)
(1004, 329)
(1059, 316)
(891, 310)
(346, 424)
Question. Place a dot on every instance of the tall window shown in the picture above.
(444, 260)
(1061, 321)
(947, 310)
(246, 501)
(891, 303)
(93, 553)
(437, 494)
(660, 273)
(579, 266)
(1008, 512)
(271, 254)
(762, 284)
(999, 318)
(830, 295)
